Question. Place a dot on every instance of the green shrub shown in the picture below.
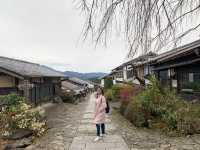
(11, 100)
(192, 85)
(188, 119)
(109, 95)
(108, 83)
(116, 91)
(161, 108)
(16, 114)
(134, 113)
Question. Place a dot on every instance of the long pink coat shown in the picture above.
(99, 113)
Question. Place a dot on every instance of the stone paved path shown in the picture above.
(87, 130)
(63, 121)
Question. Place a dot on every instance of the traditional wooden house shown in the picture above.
(102, 84)
(74, 84)
(135, 70)
(117, 74)
(78, 85)
(179, 68)
(69, 86)
(33, 81)
(138, 69)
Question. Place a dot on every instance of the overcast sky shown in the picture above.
(48, 32)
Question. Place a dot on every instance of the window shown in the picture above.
(164, 78)
(146, 70)
(191, 77)
(163, 75)
(190, 81)
(197, 77)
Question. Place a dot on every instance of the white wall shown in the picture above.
(102, 82)
(125, 73)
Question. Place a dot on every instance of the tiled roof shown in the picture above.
(177, 51)
(28, 69)
(68, 85)
(79, 81)
(138, 60)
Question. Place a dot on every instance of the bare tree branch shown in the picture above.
(147, 25)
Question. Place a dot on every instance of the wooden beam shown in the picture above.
(177, 64)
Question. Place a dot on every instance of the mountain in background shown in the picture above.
(85, 76)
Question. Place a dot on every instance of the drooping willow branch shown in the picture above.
(147, 25)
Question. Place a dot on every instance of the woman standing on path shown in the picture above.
(100, 113)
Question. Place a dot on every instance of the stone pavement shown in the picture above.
(87, 130)
(63, 121)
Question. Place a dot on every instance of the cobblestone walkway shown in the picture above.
(63, 122)
(86, 134)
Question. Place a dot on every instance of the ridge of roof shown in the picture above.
(23, 61)
(29, 69)
(188, 46)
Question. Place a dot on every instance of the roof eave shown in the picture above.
(11, 73)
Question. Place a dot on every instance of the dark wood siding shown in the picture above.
(182, 74)
(164, 78)
(130, 74)
(44, 89)
(185, 71)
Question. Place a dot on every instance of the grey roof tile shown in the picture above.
(28, 69)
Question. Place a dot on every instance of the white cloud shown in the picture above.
(47, 31)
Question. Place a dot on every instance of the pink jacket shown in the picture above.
(99, 113)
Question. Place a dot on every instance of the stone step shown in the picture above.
(109, 142)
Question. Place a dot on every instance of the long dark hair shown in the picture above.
(102, 91)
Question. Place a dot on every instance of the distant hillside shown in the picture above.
(86, 76)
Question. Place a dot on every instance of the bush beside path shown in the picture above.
(148, 139)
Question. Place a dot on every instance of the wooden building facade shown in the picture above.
(177, 69)
(136, 69)
(180, 67)
(33, 81)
